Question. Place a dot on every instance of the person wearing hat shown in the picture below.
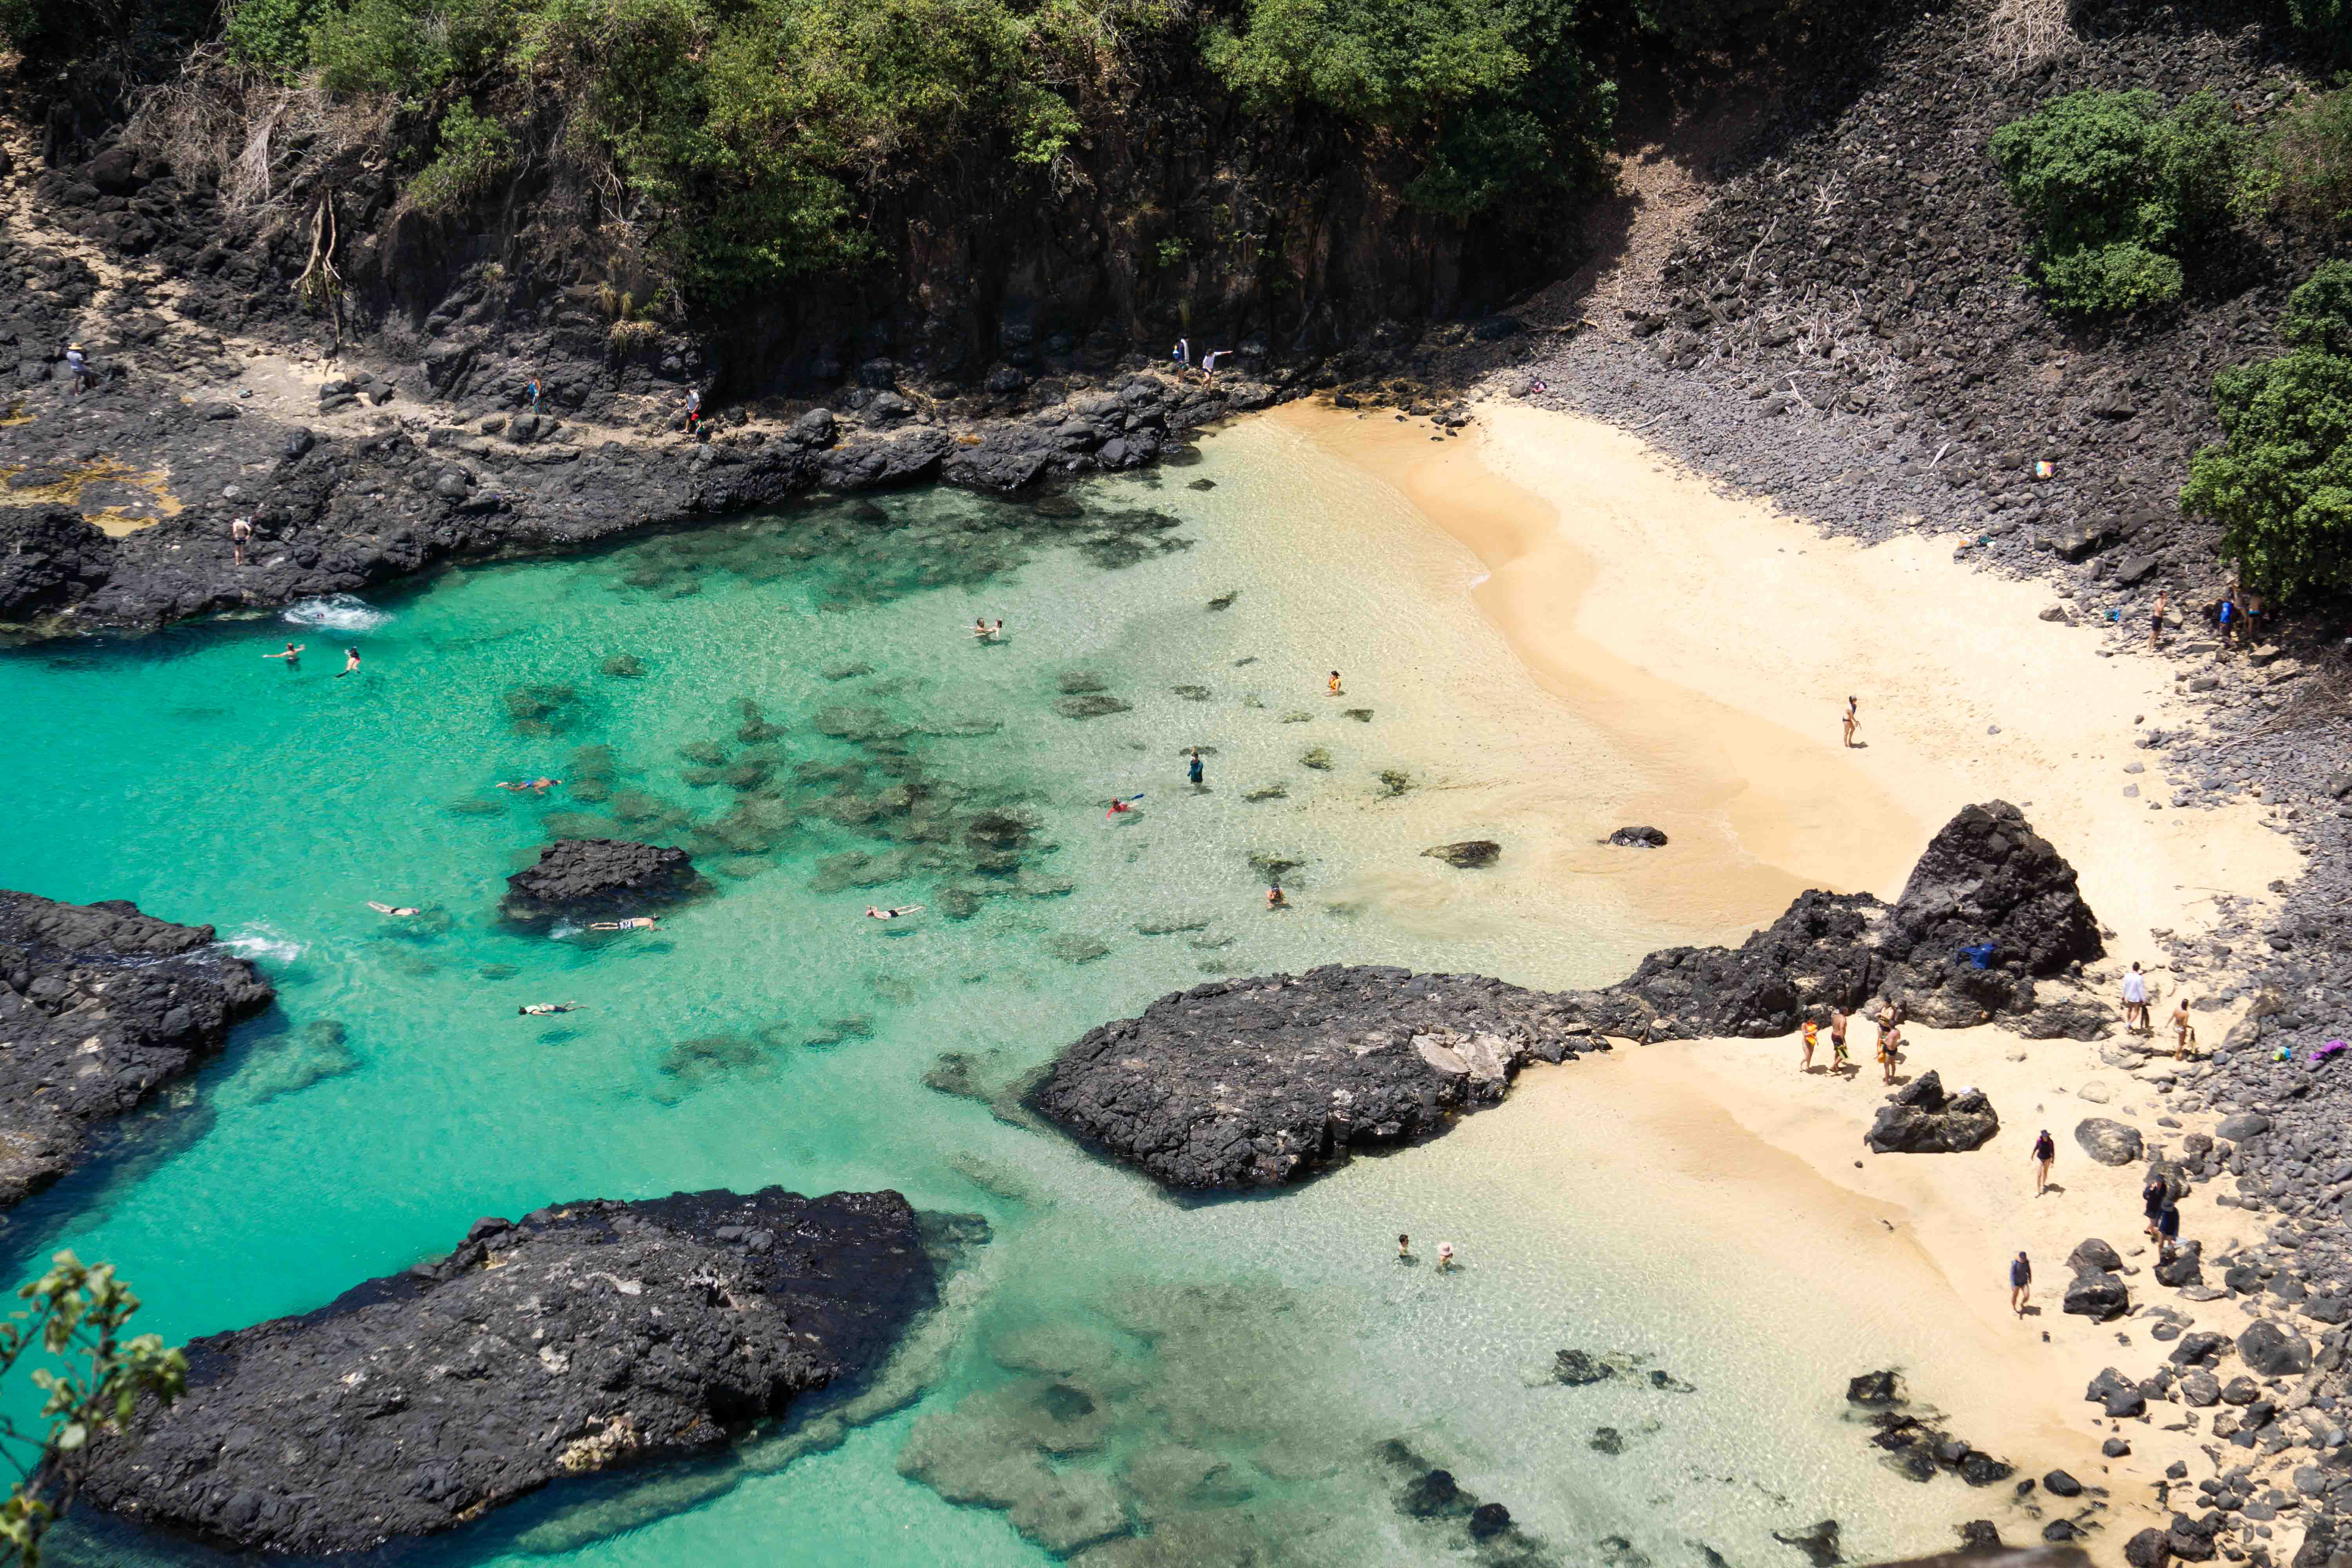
(78, 364)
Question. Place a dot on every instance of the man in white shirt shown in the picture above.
(2136, 1000)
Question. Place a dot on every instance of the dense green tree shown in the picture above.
(2281, 483)
(2117, 190)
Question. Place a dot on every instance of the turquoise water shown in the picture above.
(795, 699)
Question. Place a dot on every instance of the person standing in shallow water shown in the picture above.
(292, 656)
(1404, 1247)
(2045, 1150)
(1192, 768)
(1335, 684)
(2020, 1283)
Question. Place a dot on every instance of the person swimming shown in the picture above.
(634, 923)
(350, 663)
(539, 785)
(979, 629)
(293, 652)
(1273, 898)
(901, 913)
(540, 1009)
(1121, 806)
(389, 910)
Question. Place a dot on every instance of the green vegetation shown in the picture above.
(94, 1377)
(2119, 193)
(474, 151)
(2281, 485)
(1494, 92)
(2303, 171)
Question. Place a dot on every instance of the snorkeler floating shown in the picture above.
(634, 923)
(901, 913)
(391, 909)
(1122, 805)
(538, 786)
(540, 1009)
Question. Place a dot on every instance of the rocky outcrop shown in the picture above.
(1253, 1083)
(49, 558)
(99, 1005)
(1258, 1082)
(581, 878)
(1467, 856)
(1921, 1119)
(584, 1336)
(1638, 839)
(1990, 908)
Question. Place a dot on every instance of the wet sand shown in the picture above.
(1714, 641)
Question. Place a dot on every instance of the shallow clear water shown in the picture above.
(797, 698)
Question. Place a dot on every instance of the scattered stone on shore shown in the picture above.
(101, 1004)
(1637, 839)
(1921, 1119)
(1819, 1544)
(2109, 1142)
(585, 877)
(1467, 856)
(584, 1336)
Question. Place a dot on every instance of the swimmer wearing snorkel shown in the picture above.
(390, 909)
(538, 786)
(634, 923)
(542, 1009)
(900, 913)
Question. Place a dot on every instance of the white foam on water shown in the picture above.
(264, 941)
(335, 613)
(564, 931)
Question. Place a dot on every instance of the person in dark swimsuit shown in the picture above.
(2044, 1151)
(2020, 1283)
(2155, 1198)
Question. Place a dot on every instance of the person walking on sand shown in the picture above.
(2154, 1199)
(2135, 1002)
(1853, 720)
(1192, 768)
(350, 663)
(292, 656)
(1837, 1038)
(240, 534)
(2045, 1151)
(1890, 1050)
(2184, 1033)
(2156, 620)
(2020, 1283)
(1333, 685)
(2168, 1232)
(1812, 1033)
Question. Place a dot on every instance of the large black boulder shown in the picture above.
(1921, 1119)
(584, 876)
(2109, 1142)
(100, 1004)
(1253, 1083)
(2101, 1296)
(2274, 1352)
(50, 560)
(589, 1335)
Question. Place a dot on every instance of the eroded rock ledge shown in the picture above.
(98, 1005)
(587, 1335)
(1258, 1082)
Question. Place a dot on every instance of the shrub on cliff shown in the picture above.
(1492, 96)
(2117, 192)
(2304, 169)
(2281, 483)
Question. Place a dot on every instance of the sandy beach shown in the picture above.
(1715, 640)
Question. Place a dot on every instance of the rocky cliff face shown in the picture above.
(98, 1005)
(586, 1335)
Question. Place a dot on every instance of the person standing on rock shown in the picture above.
(2156, 620)
(534, 397)
(1852, 721)
(78, 369)
(2045, 1151)
(693, 411)
(240, 534)
(2227, 616)
(2135, 1002)
(1181, 356)
(2168, 1232)
(2020, 1283)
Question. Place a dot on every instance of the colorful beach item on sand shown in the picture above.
(2321, 1053)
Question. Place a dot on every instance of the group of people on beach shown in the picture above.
(1887, 1047)
(2159, 1211)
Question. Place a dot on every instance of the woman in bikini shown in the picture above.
(1813, 1039)
(1852, 718)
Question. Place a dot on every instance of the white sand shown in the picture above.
(1716, 640)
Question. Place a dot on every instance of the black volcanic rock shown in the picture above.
(1467, 856)
(49, 558)
(1921, 1119)
(99, 1005)
(589, 1335)
(580, 877)
(1257, 1082)
(1638, 839)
